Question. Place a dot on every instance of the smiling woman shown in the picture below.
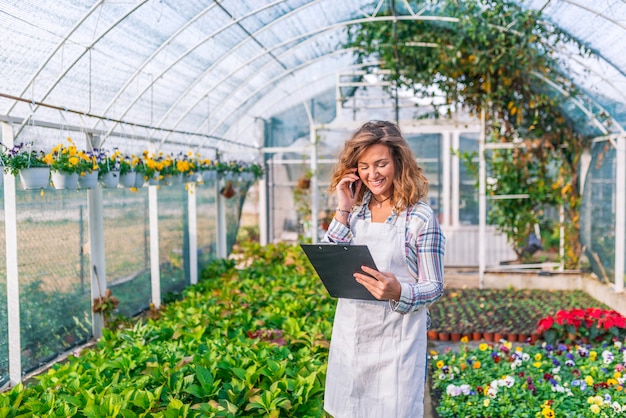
(386, 214)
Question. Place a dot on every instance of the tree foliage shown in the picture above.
(496, 57)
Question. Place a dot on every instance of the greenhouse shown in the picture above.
(163, 161)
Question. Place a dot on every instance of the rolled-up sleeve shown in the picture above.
(425, 251)
(338, 232)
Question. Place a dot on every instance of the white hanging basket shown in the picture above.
(139, 180)
(64, 180)
(35, 178)
(110, 180)
(128, 179)
(88, 180)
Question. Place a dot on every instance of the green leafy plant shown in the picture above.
(573, 325)
(495, 57)
(69, 159)
(549, 380)
(237, 344)
(21, 156)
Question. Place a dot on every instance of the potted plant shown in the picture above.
(29, 164)
(127, 171)
(304, 181)
(108, 168)
(149, 168)
(208, 169)
(67, 163)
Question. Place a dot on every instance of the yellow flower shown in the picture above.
(611, 382)
(440, 364)
(508, 344)
(465, 339)
(592, 355)
(547, 412)
(537, 364)
(589, 380)
(595, 409)
(617, 375)
(483, 347)
(73, 161)
(519, 349)
(486, 402)
(538, 356)
(433, 353)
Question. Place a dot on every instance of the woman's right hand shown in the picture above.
(345, 199)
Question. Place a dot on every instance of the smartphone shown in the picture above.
(352, 187)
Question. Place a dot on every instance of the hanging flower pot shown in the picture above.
(304, 183)
(173, 179)
(35, 178)
(88, 180)
(155, 179)
(228, 190)
(110, 180)
(128, 179)
(189, 178)
(62, 180)
(139, 180)
(209, 175)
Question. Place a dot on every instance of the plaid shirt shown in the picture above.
(425, 246)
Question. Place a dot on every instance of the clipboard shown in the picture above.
(336, 264)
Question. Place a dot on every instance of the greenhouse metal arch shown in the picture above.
(223, 80)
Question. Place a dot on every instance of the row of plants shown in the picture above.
(252, 338)
(67, 159)
(494, 379)
(501, 313)
(237, 344)
(497, 58)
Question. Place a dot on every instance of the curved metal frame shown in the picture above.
(197, 80)
(80, 56)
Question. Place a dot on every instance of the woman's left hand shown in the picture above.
(383, 286)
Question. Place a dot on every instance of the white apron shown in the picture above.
(377, 358)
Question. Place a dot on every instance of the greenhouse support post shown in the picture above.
(263, 212)
(193, 232)
(314, 187)
(13, 288)
(482, 203)
(620, 211)
(155, 273)
(96, 248)
(221, 220)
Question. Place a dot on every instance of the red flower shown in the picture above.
(545, 324)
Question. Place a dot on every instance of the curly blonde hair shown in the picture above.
(409, 183)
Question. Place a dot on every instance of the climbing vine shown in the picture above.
(494, 56)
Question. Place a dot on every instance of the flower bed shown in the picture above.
(502, 311)
(503, 379)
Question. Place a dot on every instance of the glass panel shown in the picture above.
(468, 186)
(173, 236)
(597, 215)
(427, 149)
(53, 260)
(4, 332)
(206, 209)
(127, 248)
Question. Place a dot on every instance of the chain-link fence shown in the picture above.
(54, 259)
